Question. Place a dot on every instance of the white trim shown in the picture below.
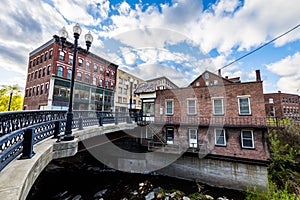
(193, 142)
(171, 100)
(248, 105)
(187, 102)
(252, 139)
(222, 102)
(215, 131)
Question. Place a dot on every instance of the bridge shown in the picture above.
(31, 139)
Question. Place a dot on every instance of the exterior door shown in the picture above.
(170, 135)
(193, 140)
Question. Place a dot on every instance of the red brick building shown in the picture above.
(281, 105)
(49, 74)
(223, 118)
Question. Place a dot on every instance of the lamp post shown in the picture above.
(130, 100)
(63, 37)
(10, 97)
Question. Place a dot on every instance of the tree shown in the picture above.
(16, 100)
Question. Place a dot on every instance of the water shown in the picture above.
(83, 177)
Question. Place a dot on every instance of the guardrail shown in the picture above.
(241, 121)
(20, 131)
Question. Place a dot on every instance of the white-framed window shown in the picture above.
(62, 55)
(271, 100)
(247, 139)
(69, 74)
(220, 137)
(191, 106)
(94, 81)
(87, 78)
(87, 65)
(193, 137)
(169, 107)
(244, 106)
(218, 106)
(79, 76)
(80, 62)
(70, 59)
(60, 71)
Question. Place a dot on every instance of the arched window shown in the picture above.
(87, 78)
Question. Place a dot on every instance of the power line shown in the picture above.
(260, 47)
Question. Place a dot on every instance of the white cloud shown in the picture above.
(288, 71)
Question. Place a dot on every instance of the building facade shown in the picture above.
(49, 73)
(282, 105)
(147, 92)
(125, 87)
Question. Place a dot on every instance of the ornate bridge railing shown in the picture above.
(19, 131)
(242, 121)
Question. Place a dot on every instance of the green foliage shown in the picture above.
(272, 193)
(16, 100)
(284, 179)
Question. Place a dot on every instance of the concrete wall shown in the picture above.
(218, 173)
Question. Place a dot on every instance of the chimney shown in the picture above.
(226, 77)
(219, 72)
(258, 75)
(279, 91)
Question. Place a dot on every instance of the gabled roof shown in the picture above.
(207, 75)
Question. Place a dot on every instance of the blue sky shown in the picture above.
(174, 38)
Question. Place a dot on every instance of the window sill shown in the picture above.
(245, 114)
(219, 114)
(248, 148)
(220, 145)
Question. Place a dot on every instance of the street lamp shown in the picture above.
(63, 37)
(10, 97)
(130, 100)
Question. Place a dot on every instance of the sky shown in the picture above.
(179, 39)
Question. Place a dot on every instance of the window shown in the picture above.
(206, 83)
(44, 71)
(42, 58)
(191, 106)
(87, 78)
(50, 54)
(79, 76)
(70, 59)
(215, 82)
(46, 56)
(37, 90)
(101, 70)
(106, 83)
(120, 90)
(120, 80)
(107, 73)
(247, 139)
(244, 106)
(87, 65)
(271, 100)
(169, 107)
(42, 89)
(119, 99)
(193, 139)
(113, 75)
(62, 55)
(40, 73)
(95, 68)
(218, 106)
(48, 70)
(94, 81)
(60, 71)
(47, 88)
(220, 138)
(125, 91)
(69, 75)
(80, 61)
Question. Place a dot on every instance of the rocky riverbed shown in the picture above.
(82, 177)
